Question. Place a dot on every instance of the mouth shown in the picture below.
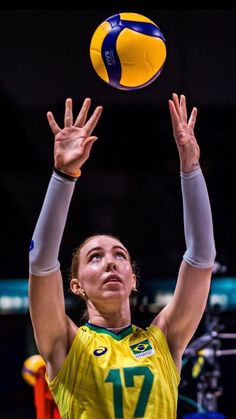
(112, 279)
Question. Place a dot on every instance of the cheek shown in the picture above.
(128, 274)
(90, 272)
(127, 268)
(95, 267)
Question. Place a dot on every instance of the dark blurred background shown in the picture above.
(130, 185)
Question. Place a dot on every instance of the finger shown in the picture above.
(175, 100)
(53, 125)
(68, 118)
(183, 109)
(93, 120)
(193, 117)
(81, 118)
(173, 113)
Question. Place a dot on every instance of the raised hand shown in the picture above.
(73, 142)
(183, 130)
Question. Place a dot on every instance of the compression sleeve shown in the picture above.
(198, 225)
(47, 236)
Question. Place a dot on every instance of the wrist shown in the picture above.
(66, 175)
(192, 174)
(188, 168)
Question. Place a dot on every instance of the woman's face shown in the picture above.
(105, 270)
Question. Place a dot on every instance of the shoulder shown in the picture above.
(72, 329)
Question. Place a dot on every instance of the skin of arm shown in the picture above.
(180, 318)
(53, 330)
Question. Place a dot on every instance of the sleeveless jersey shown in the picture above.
(109, 376)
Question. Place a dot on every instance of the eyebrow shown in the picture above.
(101, 248)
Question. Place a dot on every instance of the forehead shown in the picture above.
(104, 242)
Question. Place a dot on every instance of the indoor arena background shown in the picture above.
(130, 186)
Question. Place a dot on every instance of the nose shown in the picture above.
(110, 266)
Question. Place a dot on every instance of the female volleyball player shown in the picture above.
(109, 368)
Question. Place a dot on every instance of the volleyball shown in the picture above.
(31, 367)
(128, 51)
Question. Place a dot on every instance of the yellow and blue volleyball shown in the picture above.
(31, 368)
(128, 51)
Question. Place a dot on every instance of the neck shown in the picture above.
(113, 329)
(115, 319)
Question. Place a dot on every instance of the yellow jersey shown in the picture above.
(113, 376)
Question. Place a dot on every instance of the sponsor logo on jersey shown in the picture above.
(142, 349)
(100, 351)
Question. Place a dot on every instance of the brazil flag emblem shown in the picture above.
(142, 349)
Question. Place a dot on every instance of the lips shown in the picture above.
(112, 278)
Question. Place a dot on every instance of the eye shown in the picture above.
(95, 257)
(120, 255)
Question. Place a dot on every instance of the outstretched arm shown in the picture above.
(180, 318)
(72, 147)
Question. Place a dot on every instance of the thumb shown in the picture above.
(88, 144)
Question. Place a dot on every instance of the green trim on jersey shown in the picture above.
(116, 336)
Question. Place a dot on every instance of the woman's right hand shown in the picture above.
(73, 142)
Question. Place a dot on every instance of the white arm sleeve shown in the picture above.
(45, 244)
(198, 225)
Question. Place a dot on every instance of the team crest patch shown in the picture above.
(142, 349)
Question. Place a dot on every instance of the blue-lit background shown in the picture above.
(154, 295)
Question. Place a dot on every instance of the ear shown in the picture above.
(134, 282)
(76, 287)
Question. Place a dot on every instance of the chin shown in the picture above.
(115, 294)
